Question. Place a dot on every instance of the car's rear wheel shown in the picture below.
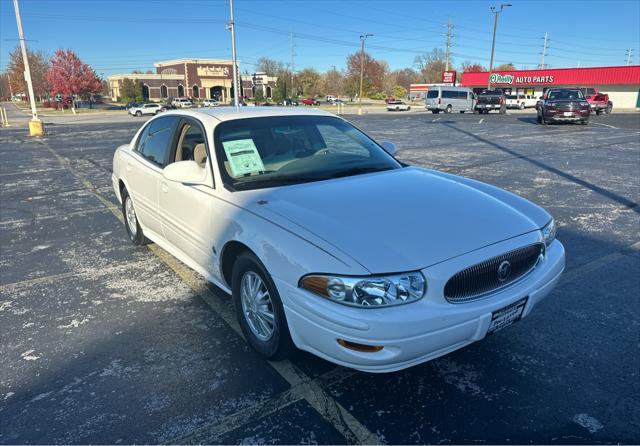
(584, 122)
(131, 220)
(598, 112)
(259, 309)
(138, 113)
(608, 109)
(522, 106)
(448, 109)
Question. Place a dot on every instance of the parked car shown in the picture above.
(210, 103)
(292, 229)
(491, 100)
(311, 101)
(563, 105)
(182, 103)
(145, 109)
(598, 100)
(449, 99)
(338, 102)
(289, 102)
(330, 98)
(520, 101)
(397, 106)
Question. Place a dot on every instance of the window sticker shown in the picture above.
(243, 157)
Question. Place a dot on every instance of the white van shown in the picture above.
(449, 99)
(182, 103)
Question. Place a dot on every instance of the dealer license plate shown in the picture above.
(506, 316)
(568, 114)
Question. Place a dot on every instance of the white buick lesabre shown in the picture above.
(326, 242)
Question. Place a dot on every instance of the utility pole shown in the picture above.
(496, 12)
(544, 51)
(293, 59)
(363, 37)
(448, 51)
(36, 128)
(629, 54)
(231, 27)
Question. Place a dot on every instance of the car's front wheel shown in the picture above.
(138, 113)
(131, 220)
(259, 309)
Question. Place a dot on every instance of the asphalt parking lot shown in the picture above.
(105, 342)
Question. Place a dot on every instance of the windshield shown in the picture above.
(565, 95)
(274, 151)
(432, 94)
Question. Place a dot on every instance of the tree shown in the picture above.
(373, 77)
(70, 77)
(269, 66)
(38, 66)
(5, 90)
(333, 82)
(431, 65)
(309, 82)
(468, 67)
(281, 91)
(405, 77)
(505, 67)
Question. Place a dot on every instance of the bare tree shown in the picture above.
(39, 66)
(270, 66)
(431, 65)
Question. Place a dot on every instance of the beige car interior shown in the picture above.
(191, 145)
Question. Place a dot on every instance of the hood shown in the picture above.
(398, 220)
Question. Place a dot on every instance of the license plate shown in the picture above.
(506, 316)
(568, 114)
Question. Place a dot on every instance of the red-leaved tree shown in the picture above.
(69, 76)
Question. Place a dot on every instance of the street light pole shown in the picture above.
(231, 27)
(35, 125)
(495, 12)
(363, 37)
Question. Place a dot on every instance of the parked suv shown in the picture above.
(449, 99)
(563, 105)
(145, 109)
(182, 103)
(491, 100)
(520, 101)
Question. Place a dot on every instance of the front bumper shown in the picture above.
(559, 115)
(416, 332)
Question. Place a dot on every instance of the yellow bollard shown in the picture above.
(36, 128)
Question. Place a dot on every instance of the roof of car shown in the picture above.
(231, 113)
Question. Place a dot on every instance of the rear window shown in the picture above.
(154, 142)
(432, 94)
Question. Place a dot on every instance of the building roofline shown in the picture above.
(193, 60)
(142, 76)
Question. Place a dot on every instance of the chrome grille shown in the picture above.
(478, 280)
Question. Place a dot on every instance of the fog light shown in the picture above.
(360, 347)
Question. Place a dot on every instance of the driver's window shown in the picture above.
(191, 144)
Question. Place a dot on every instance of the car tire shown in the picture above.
(522, 106)
(435, 112)
(408, 108)
(131, 223)
(449, 109)
(598, 112)
(271, 341)
(584, 122)
(609, 108)
(138, 113)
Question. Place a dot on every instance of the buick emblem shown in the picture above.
(504, 271)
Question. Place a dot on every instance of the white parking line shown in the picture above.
(605, 125)
(435, 120)
(595, 264)
(481, 120)
(332, 411)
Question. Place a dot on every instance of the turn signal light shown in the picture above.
(360, 347)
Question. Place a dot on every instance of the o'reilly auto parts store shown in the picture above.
(622, 84)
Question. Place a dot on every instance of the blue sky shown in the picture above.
(118, 36)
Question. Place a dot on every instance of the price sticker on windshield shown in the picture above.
(243, 157)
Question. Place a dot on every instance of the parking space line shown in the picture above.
(332, 411)
(481, 120)
(606, 125)
(582, 270)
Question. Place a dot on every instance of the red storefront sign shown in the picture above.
(448, 77)
(625, 75)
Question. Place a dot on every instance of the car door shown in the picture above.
(144, 170)
(186, 209)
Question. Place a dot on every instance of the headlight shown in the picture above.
(549, 232)
(370, 291)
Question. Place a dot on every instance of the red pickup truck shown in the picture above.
(311, 101)
(598, 100)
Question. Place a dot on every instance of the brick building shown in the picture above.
(194, 78)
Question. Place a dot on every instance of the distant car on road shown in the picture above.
(145, 109)
(311, 101)
(397, 106)
(491, 100)
(182, 103)
(210, 103)
(563, 105)
(520, 101)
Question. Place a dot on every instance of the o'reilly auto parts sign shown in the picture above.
(510, 79)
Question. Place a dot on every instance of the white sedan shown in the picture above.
(145, 109)
(326, 242)
(398, 106)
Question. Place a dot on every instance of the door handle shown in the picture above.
(164, 188)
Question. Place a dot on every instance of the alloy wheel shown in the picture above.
(132, 222)
(257, 307)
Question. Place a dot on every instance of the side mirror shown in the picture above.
(390, 148)
(185, 172)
